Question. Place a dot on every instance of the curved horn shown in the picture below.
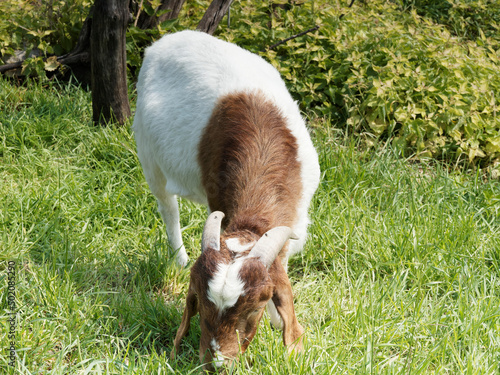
(211, 232)
(270, 244)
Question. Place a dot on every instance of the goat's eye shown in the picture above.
(258, 309)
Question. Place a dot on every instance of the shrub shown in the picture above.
(471, 19)
(51, 26)
(385, 74)
(386, 70)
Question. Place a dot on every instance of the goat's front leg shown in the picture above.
(190, 310)
(169, 210)
(283, 301)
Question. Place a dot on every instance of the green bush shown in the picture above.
(51, 26)
(421, 74)
(471, 19)
(385, 74)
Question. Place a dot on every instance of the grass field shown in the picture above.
(400, 275)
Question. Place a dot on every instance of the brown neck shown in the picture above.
(248, 159)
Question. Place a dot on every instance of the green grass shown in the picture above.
(401, 273)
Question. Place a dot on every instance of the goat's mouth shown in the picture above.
(218, 360)
(219, 363)
(225, 365)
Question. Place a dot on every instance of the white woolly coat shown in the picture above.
(182, 77)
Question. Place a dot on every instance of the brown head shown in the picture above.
(230, 287)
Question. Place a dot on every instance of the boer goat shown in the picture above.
(215, 124)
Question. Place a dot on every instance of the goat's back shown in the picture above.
(182, 78)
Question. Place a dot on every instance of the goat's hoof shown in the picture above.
(182, 260)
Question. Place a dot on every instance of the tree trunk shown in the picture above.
(109, 61)
(213, 15)
(146, 21)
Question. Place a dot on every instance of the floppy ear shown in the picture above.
(293, 333)
(190, 310)
(270, 244)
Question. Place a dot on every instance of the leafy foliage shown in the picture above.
(471, 19)
(422, 74)
(386, 73)
(50, 26)
(139, 39)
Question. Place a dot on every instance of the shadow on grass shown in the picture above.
(141, 295)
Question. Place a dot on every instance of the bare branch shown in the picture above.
(350, 5)
(291, 37)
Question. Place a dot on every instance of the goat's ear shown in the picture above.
(190, 310)
(270, 244)
(283, 301)
(211, 232)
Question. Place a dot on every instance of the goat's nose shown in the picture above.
(219, 365)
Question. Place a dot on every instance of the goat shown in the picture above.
(216, 124)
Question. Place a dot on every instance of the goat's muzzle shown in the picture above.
(217, 364)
